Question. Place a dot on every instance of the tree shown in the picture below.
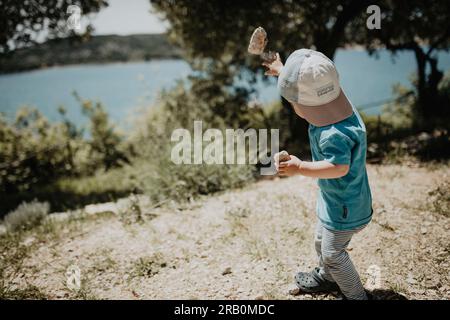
(22, 21)
(422, 27)
(211, 29)
(217, 31)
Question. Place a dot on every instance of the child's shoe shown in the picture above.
(313, 282)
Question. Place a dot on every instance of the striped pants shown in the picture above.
(334, 261)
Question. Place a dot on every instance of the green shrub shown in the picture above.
(60, 164)
(35, 152)
(184, 182)
(106, 148)
(153, 170)
(26, 216)
(400, 132)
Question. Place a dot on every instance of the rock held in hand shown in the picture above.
(283, 156)
(258, 41)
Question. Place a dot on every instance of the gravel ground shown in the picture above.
(248, 244)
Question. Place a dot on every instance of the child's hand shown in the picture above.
(281, 156)
(289, 168)
(273, 68)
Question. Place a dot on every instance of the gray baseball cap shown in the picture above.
(310, 82)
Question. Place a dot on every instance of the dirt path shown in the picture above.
(248, 244)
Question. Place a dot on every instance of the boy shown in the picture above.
(310, 82)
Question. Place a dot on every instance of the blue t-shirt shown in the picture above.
(344, 203)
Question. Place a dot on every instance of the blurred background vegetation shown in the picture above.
(69, 166)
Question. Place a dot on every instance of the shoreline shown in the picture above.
(87, 64)
(356, 48)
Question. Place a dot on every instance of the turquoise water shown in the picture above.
(125, 87)
(121, 87)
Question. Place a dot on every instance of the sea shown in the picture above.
(126, 89)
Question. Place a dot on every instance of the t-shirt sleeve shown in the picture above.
(336, 147)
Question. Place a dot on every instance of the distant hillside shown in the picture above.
(98, 49)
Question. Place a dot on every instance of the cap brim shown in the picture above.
(326, 114)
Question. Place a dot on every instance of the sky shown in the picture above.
(125, 17)
(121, 17)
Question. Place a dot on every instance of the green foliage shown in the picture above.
(214, 37)
(216, 33)
(205, 100)
(277, 117)
(395, 120)
(404, 25)
(26, 216)
(22, 21)
(395, 133)
(405, 112)
(105, 143)
(32, 150)
(217, 29)
(35, 152)
(161, 179)
(72, 192)
(184, 182)
(104, 166)
(420, 27)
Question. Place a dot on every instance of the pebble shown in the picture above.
(294, 291)
(226, 271)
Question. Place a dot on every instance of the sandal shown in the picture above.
(313, 282)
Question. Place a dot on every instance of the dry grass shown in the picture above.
(246, 243)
